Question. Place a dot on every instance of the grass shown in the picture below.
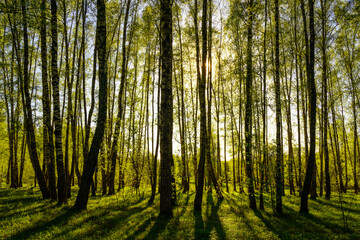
(24, 215)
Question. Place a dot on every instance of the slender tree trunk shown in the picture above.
(154, 171)
(241, 154)
(312, 102)
(71, 116)
(218, 158)
(321, 144)
(209, 95)
(198, 78)
(61, 184)
(155, 160)
(203, 128)
(29, 126)
(232, 137)
(10, 120)
(263, 165)
(114, 147)
(103, 171)
(325, 106)
(67, 71)
(278, 174)
(91, 162)
(346, 146)
(48, 139)
(337, 159)
(248, 112)
(299, 180)
(218, 106)
(355, 136)
(182, 120)
(22, 160)
(225, 136)
(287, 93)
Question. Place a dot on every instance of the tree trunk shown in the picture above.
(29, 126)
(225, 136)
(48, 139)
(61, 183)
(287, 93)
(278, 177)
(203, 128)
(198, 78)
(263, 165)
(22, 160)
(248, 111)
(355, 135)
(166, 109)
(10, 121)
(312, 102)
(232, 137)
(346, 146)
(182, 120)
(91, 162)
(325, 105)
(114, 147)
(299, 180)
(337, 156)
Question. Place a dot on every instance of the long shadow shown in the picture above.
(23, 200)
(106, 224)
(280, 224)
(38, 228)
(214, 220)
(335, 228)
(200, 232)
(102, 225)
(141, 228)
(6, 214)
(203, 229)
(265, 221)
(157, 227)
(348, 209)
(150, 219)
(239, 211)
(304, 224)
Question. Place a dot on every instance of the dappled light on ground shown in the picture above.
(24, 215)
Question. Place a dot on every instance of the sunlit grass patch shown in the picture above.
(127, 215)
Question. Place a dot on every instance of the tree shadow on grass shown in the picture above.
(313, 222)
(291, 224)
(141, 228)
(200, 232)
(331, 226)
(345, 208)
(159, 225)
(183, 207)
(10, 197)
(102, 221)
(264, 220)
(18, 212)
(240, 212)
(38, 228)
(203, 229)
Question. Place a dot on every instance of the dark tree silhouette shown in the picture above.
(166, 109)
(91, 161)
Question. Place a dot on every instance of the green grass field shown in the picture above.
(24, 215)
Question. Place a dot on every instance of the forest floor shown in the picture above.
(126, 215)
